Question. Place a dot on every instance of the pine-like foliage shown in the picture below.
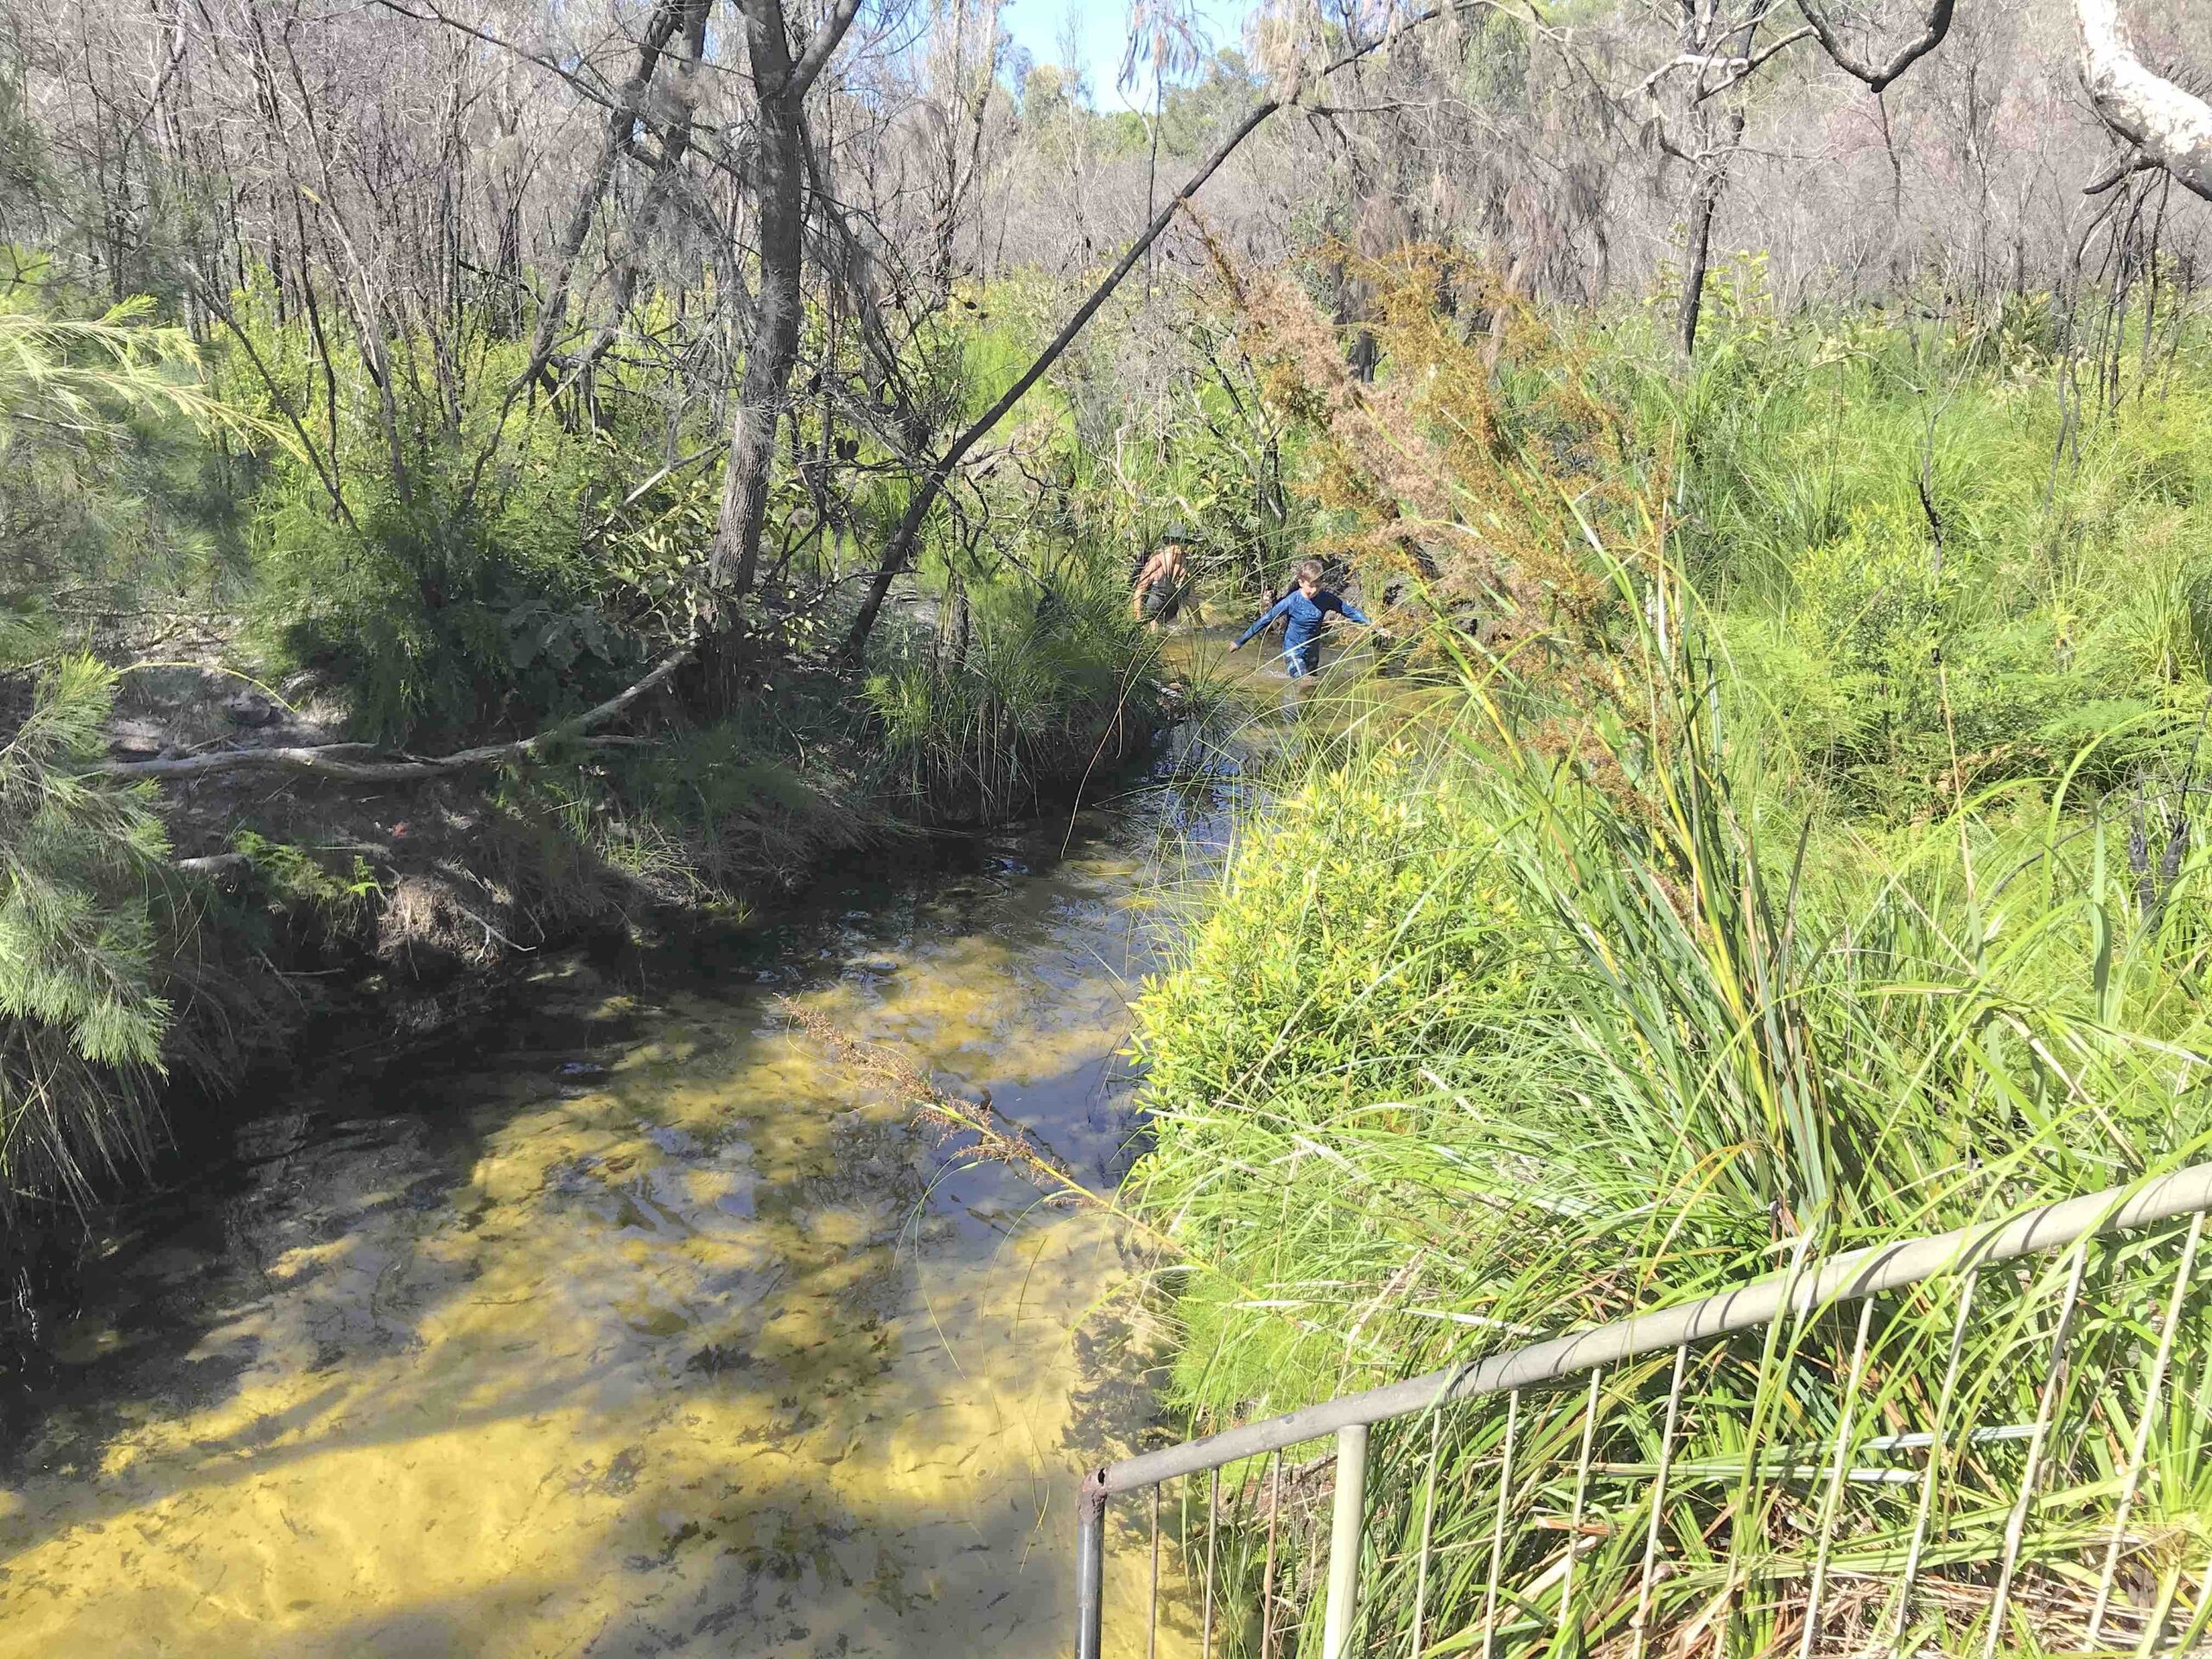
(84, 905)
(81, 1016)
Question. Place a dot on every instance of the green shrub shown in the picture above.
(1049, 685)
(92, 412)
(108, 507)
(1360, 930)
(1485, 1042)
(1902, 514)
(436, 611)
(340, 898)
(448, 558)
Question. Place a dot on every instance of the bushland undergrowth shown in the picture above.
(1810, 858)
(241, 537)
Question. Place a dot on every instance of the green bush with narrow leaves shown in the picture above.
(83, 1015)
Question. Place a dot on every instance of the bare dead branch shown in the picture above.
(2125, 167)
(1877, 77)
(821, 49)
(1742, 68)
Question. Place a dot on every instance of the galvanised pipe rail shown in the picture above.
(1851, 1277)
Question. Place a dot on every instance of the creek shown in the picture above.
(633, 1323)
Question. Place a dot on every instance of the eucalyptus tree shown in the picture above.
(2167, 126)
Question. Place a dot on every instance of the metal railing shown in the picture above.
(1915, 1544)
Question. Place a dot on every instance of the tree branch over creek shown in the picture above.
(344, 761)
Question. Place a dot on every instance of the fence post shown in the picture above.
(1344, 1528)
(1090, 1565)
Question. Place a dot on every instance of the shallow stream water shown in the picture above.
(633, 1325)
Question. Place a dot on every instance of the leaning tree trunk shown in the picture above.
(905, 539)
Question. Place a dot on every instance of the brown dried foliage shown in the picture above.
(1462, 464)
(1480, 468)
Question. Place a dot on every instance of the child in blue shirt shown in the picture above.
(1305, 609)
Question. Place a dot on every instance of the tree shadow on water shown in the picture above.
(685, 1351)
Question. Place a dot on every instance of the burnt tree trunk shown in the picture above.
(1705, 198)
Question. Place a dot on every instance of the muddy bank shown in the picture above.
(382, 915)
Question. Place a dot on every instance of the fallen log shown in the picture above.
(338, 760)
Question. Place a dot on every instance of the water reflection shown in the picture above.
(641, 1330)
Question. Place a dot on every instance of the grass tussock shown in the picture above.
(1472, 1048)
(1036, 690)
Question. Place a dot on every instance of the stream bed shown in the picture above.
(633, 1323)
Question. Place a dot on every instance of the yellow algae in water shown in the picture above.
(501, 1490)
(689, 1362)
(362, 1546)
(87, 1341)
(648, 1055)
(843, 1229)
